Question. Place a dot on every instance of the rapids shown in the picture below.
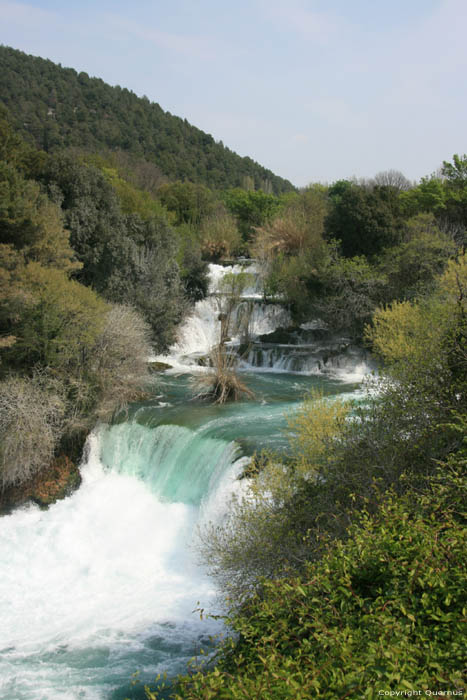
(105, 583)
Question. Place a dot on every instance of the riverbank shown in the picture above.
(59, 480)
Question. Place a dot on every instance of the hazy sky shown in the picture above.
(315, 90)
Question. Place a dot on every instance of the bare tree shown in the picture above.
(120, 358)
(392, 178)
(31, 422)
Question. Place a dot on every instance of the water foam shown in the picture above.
(104, 582)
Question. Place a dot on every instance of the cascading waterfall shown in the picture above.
(309, 350)
(104, 583)
(201, 331)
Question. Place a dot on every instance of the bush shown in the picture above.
(220, 237)
(265, 532)
(221, 383)
(382, 612)
(119, 359)
(32, 413)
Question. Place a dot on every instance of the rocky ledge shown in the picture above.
(57, 481)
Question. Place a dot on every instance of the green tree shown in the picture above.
(190, 203)
(251, 209)
(364, 221)
(456, 194)
(59, 321)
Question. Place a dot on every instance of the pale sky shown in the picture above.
(315, 90)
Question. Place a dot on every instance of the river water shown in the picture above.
(106, 583)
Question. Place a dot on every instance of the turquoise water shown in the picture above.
(105, 583)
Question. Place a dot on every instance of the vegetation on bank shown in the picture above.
(382, 613)
(345, 566)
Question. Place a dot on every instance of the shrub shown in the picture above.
(220, 237)
(265, 530)
(119, 359)
(221, 383)
(32, 415)
(382, 612)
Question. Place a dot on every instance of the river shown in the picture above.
(106, 583)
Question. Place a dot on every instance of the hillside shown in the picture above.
(56, 107)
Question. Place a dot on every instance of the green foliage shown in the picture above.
(127, 258)
(56, 107)
(412, 267)
(133, 200)
(193, 269)
(364, 220)
(251, 209)
(428, 197)
(31, 222)
(456, 193)
(319, 283)
(190, 203)
(262, 536)
(382, 612)
(59, 320)
(143, 272)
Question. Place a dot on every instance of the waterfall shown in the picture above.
(201, 331)
(104, 583)
(309, 350)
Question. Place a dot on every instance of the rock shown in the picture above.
(158, 366)
(59, 480)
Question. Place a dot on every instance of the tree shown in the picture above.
(296, 229)
(365, 222)
(190, 203)
(392, 178)
(32, 415)
(428, 197)
(412, 267)
(251, 209)
(143, 272)
(456, 193)
(118, 360)
(58, 321)
(32, 223)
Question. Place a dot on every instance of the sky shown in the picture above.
(315, 90)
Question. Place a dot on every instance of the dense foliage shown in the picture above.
(337, 253)
(57, 107)
(382, 612)
(84, 287)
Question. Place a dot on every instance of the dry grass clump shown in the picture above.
(222, 382)
(220, 237)
(298, 227)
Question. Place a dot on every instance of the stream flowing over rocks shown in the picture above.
(105, 582)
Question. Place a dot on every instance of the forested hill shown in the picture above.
(57, 107)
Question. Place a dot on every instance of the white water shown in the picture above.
(104, 583)
(201, 332)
